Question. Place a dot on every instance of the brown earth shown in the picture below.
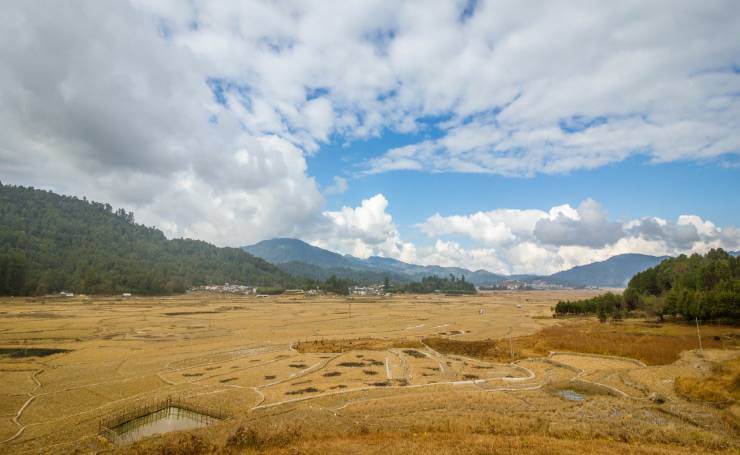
(422, 374)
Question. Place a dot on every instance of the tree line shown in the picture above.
(430, 284)
(691, 287)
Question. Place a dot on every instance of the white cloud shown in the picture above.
(514, 241)
(199, 116)
(94, 102)
(570, 86)
(538, 241)
(339, 186)
(589, 226)
(496, 227)
(367, 230)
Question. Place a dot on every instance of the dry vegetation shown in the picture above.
(637, 340)
(299, 375)
(649, 343)
(721, 389)
(358, 344)
(484, 349)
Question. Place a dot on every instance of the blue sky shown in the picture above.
(630, 189)
(487, 134)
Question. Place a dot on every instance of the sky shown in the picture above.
(514, 136)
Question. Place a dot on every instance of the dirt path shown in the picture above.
(31, 396)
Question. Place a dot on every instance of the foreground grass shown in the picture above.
(533, 437)
(652, 344)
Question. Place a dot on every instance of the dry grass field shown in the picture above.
(403, 374)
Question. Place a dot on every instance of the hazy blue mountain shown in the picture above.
(298, 258)
(284, 250)
(477, 277)
(301, 259)
(356, 274)
(614, 272)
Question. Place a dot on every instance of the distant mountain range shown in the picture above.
(299, 258)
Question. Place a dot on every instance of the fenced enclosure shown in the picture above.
(116, 425)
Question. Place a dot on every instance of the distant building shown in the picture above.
(227, 289)
(375, 289)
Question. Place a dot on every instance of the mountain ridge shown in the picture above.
(286, 253)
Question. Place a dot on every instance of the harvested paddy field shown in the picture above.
(424, 374)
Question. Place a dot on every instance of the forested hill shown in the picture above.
(50, 243)
(695, 287)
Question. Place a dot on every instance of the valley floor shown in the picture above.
(414, 373)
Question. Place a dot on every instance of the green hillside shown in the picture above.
(50, 243)
(692, 287)
(703, 287)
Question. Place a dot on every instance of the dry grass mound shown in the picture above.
(357, 344)
(721, 389)
(653, 345)
(482, 349)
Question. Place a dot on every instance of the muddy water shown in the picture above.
(163, 421)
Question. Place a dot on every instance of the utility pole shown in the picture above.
(698, 334)
(511, 345)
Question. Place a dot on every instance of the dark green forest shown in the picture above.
(50, 243)
(451, 285)
(606, 305)
(691, 287)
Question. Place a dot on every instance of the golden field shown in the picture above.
(412, 373)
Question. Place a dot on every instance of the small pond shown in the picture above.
(570, 395)
(162, 421)
(21, 352)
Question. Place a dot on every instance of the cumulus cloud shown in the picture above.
(97, 101)
(199, 116)
(515, 241)
(363, 231)
(538, 241)
(570, 86)
(588, 226)
(339, 186)
(491, 228)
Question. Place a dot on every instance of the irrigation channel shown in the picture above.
(140, 421)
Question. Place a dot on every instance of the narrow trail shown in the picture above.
(318, 366)
(31, 396)
(408, 375)
(530, 375)
(579, 376)
(158, 374)
(261, 397)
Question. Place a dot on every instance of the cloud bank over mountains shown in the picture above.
(200, 116)
(516, 241)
